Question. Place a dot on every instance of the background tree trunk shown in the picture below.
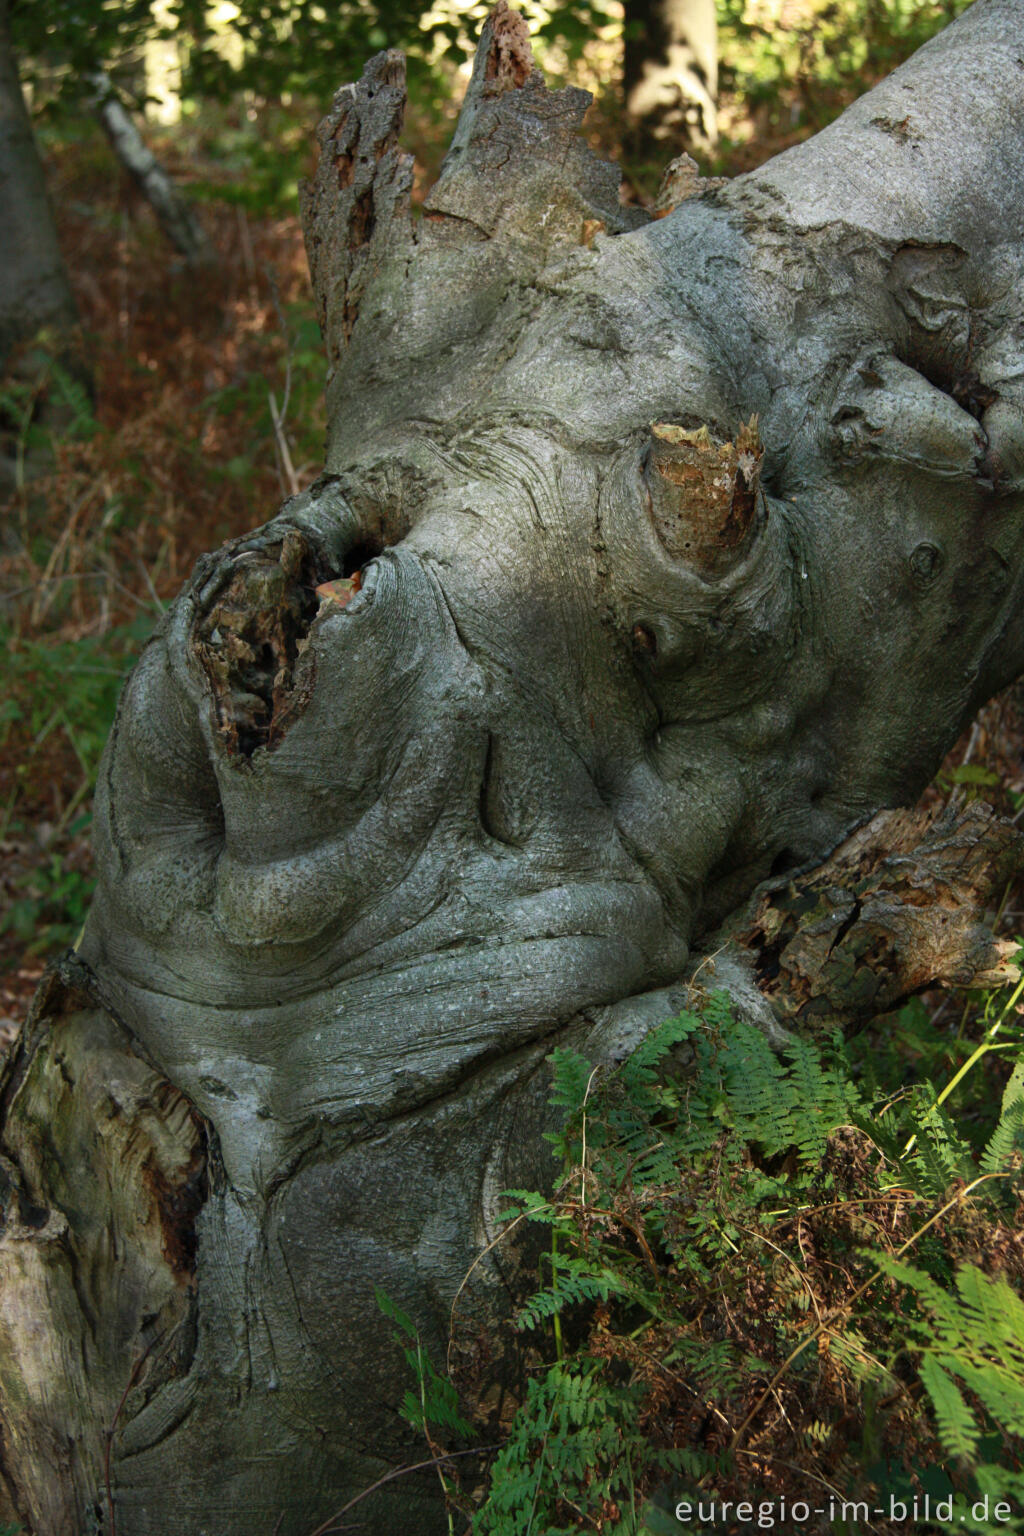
(670, 76)
(177, 220)
(650, 560)
(33, 280)
(35, 294)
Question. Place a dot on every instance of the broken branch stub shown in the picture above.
(416, 316)
(704, 493)
(517, 165)
(251, 639)
(355, 211)
(897, 908)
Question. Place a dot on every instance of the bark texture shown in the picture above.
(36, 302)
(900, 906)
(649, 561)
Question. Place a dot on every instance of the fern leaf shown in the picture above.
(947, 1320)
(1007, 1140)
(1014, 1089)
(1001, 1394)
(760, 1094)
(570, 1075)
(956, 1424)
(993, 1313)
(640, 1068)
(394, 1313)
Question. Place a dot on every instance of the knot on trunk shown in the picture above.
(704, 493)
(251, 639)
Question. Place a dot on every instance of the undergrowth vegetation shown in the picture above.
(207, 411)
(774, 1282)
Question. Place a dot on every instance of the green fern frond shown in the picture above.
(1000, 1393)
(993, 1314)
(1007, 1140)
(640, 1070)
(955, 1420)
(570, 1075)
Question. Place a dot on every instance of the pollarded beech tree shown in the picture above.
(650, 558)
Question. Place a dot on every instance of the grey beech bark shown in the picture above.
(35, 294)
(650, 560)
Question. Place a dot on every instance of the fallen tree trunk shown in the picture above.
(649, 561)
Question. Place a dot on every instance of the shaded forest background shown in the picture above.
(206, 408)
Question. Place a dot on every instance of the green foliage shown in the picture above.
(802, 74)
(685, 1174)
(572, 1459)
(59, 689)
(976, 1334)
(47, 404)
(434, 1405)
(269, 50)
(298, 391)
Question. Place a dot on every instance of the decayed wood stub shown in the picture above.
(355, 212)
(517, 167)
(704, 493)
(899, 907)
(519, 187)
(104, 1171)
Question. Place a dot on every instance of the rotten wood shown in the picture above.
(355, 211)
(251, 639)
(103, 1173)
(902, 905)
(704, 492)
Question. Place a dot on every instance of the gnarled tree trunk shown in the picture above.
(649, 559)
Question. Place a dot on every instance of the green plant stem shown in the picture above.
(421, 1373)
(982, 1049)
(556, 1321)
(540, 1469)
